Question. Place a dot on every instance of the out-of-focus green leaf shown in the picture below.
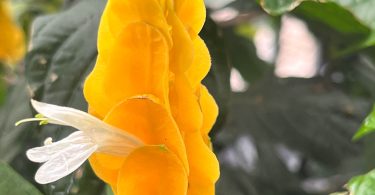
(362, 10)
(87, 183)
(278, 120)
(242, 55)
(3, 90)
(368, 126)
(340, 193)
(276, 7)
(363, 184)
(358, 72)
(217, 80)
(13, 184)
(334, 15)
(16, 107)
(26, 11)
(346, 16)
(108, 190)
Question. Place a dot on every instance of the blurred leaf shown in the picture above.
(234, 182)
(276, 7)
(242, 55)
(358, 71)
(298, 129)
(368, 126)
(63, 51)
(340, 193)
(362, 10)
(217, 80)
(12, 183)
(16, 107)
(3, 89)
(26, 11)
(335, 16)
(345, 16)
(87, 182)
(363, 184)
(108, 190)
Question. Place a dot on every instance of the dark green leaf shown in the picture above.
(242, 55)
(13, 184)
(217, 80)
(16, 107)
(62, 54)
(306, 117)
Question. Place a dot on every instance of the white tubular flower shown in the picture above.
(65, 156)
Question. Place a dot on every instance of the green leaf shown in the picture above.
(108, 190)
(16, 107)
(87, 183)
(368, 126)
(242, 55)
(355, 29)
(309, 117)
(347, 16)
(276, 7)
(363, 184)
(217, 80)
(63, 52)
(340, 193)
(334, 15)
(362, 10)
(12, 183)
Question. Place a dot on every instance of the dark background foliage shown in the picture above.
(278, 135)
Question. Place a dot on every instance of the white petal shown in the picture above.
(99, 131)
(64, 162)
(45, 153)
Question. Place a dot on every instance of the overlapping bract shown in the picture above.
(12, 46)
(147, 81)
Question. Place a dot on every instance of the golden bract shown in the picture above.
(151, 49)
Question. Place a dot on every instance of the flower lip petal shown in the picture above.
(83, 121)
(45, 153)
(64, 163)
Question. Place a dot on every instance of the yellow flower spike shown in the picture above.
(152, 115)
(12, 46)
